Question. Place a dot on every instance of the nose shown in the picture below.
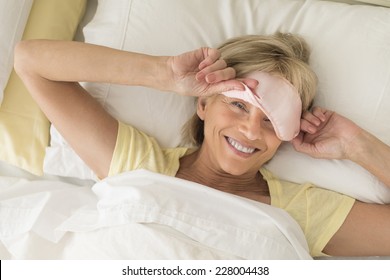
(251, 127)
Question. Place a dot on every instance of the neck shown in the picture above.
(196, 168)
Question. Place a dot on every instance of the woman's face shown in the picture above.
(239, 138)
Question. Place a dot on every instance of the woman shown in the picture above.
(235, 136)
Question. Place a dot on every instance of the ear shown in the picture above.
(201, 107)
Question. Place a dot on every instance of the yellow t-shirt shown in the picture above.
(319, 212)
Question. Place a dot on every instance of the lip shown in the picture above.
(237, 152)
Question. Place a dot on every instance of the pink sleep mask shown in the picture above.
(278, 99)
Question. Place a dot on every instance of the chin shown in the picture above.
(237, 170)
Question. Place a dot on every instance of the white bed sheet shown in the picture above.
(139, 215)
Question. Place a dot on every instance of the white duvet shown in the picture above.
(140, 215)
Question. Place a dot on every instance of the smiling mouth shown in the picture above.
(239, 147)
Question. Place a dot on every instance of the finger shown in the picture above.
(311, 118)
(307, 126)
(251, 83)
(297, 141)
(210, 56)
(219, 64)
(320, 113)
(301, 146)
(220, 75)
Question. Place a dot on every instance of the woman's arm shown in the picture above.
(193, 73)
(326, 134)
(68, 61)
(372, 154)
(51, 71)
(365, 232)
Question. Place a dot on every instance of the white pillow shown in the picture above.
(13, 19)
(350, 53)
(338, 175)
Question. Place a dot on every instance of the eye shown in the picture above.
(239, 105)
(268, 122)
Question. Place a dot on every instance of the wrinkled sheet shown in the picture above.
(140, 215)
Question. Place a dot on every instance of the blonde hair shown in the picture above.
(283, 54)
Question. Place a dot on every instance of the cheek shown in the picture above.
(273, 144)
(219, 118)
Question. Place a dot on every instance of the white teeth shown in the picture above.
(239, 147)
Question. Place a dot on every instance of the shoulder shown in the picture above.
(135, 149)
(318, 211)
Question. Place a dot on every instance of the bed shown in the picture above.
(53, 207)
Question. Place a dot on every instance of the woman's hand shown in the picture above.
(326, 134)
(202, 72)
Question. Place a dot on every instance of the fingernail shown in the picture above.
(200, 76)
(311, 129)
(210, 78)
(202, 65)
